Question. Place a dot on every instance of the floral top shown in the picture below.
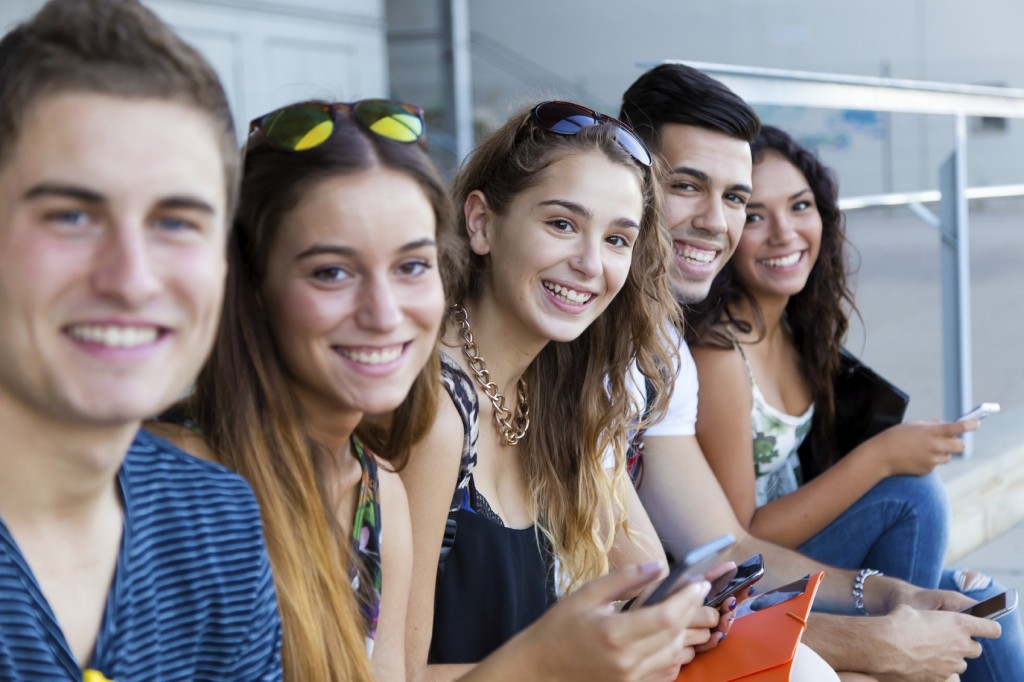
(366, 531)
(777, 437)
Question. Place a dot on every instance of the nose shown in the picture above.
(782, 230)
(587, 260)
(711, 217)
(124, 269)
(378, 309)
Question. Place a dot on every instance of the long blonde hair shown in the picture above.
(578, 506)
(248, 413)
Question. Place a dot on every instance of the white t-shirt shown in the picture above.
(681, 417)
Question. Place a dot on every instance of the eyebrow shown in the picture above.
(339, 250)
(704, 177)
(90, 196)
(791, 197)
(584, 212)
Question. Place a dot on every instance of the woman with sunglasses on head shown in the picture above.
(559, 281)
(767, 344)
(334, 300)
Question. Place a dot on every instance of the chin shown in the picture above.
(689, 293)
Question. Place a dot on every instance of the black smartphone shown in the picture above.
(740, 578)
(994, 607)
(691, 568)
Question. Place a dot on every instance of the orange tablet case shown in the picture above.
(760, 646)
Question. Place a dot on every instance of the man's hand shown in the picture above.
(929, 646)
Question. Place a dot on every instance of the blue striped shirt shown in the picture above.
(192, 597)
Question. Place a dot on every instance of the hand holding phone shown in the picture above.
(736, 580)
(690, 569)
(981, 411)
(994, 607)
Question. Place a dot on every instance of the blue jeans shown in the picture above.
(900, 527)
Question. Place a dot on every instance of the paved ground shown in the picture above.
(1002, 558)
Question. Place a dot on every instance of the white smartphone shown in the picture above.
(981, 411)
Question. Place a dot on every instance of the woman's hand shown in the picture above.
(584, 637)
(710, 626)
(915, 448)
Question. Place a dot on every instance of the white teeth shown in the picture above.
(691, 253)
(375, 357)
(783, 261)
(114, 336)
(566, 294)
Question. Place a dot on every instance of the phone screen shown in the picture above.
(693, 567)
(994, 607)
(747, 573)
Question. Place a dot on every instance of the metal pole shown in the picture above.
(956, 277)
(459, 80)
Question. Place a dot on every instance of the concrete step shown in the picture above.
(986, 489)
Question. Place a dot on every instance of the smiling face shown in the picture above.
(352, 291)
(112, 257)
(782, 237)
(706, 192)
(563, 249)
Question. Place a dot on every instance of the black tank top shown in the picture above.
(492, 581)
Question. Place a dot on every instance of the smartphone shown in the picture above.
(994, 607)
(691, 568)
(981, 411)
(740, 578)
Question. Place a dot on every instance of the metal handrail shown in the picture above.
(926, 197)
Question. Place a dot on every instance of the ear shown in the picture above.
(479, 222)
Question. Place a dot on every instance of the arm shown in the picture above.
(430, 479)
(396, 565)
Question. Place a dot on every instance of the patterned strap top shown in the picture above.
(777, 437)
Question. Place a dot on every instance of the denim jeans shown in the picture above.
(900, 527)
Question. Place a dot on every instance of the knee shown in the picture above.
(923, 495)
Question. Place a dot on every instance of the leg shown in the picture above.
(899, 527)
(1003, 658)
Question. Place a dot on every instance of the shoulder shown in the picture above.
(183, 438)
(156, 473)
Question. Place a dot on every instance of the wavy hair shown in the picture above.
(818, 316)
(580, 403)
(249, 415)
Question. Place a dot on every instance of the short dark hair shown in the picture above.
(108, 47)
(676, 93)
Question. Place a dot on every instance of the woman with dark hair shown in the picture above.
(333, 304)
(558, 282)
(767, 345)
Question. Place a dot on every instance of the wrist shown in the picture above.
(866, 601)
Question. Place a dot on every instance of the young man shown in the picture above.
(120, 557)
(703, 131)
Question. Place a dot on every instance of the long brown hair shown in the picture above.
(247, 411)
(580, 404)
(818, 316)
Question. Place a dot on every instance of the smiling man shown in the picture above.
(703, 130)
(120, 557)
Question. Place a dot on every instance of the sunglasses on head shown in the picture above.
(568, 118)
(298, 127)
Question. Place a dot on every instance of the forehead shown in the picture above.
(128, 150)
(376, 209)
(724, 158)
(775, 176)
(589, 175)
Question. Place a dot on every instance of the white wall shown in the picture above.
(269, 53)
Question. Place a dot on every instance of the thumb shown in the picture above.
(621, 583)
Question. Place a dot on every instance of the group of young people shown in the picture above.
(430, 435)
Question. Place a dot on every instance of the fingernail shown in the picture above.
(751, 591)
(652, 567)
(722, 637)
(732, 604)
(703, 587)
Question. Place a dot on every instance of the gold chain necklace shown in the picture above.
(512, 427)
